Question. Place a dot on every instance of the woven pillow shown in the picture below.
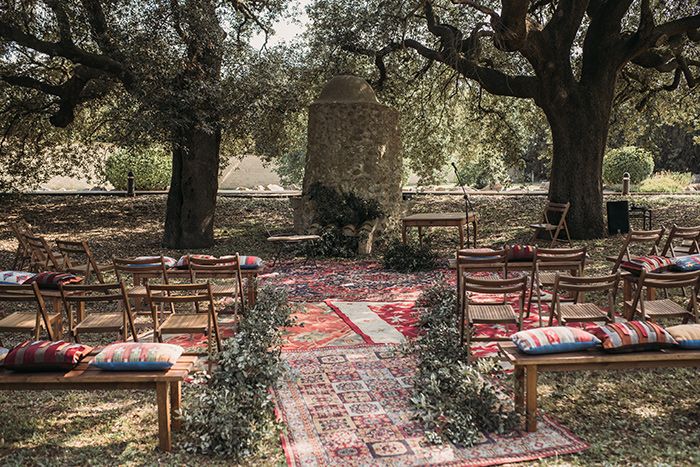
(14, 277)
(247, 262)
(521, 253)
(686, 263)
(169, 262)
(478, 250)
(687, 335)
(633, 336)
(3, 354)
(45, 356)
(51, 280)
(137, 356)
(646, 263)
(554, 339)
(184, 263)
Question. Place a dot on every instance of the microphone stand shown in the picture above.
(467, 202)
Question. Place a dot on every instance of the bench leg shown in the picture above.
(163, 398)
(519, 387)
(531, 401)
(251, 291)
(176, 404)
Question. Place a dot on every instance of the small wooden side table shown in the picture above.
(442, 219)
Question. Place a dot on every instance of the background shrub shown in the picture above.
(666, 182)
(409, 257)
(152, 167)
(486, 170)
(637, 161)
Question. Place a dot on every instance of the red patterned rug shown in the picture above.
(350, 406)
(352, 281)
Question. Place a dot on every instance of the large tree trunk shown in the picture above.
(189, 221)
(579, 125)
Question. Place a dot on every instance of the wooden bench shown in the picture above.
(167, 385)
(527, 368)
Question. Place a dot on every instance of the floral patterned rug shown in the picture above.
(350, 406)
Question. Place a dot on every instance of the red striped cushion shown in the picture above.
(184, 262)
(554, 339)
(521, 253)
(51, 280)
(646, 263)
(633, 336)
(45, 356)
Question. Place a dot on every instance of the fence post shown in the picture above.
(625, 184)
(130, 184)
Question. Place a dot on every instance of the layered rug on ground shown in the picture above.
(350, 406)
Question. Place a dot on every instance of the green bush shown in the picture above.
(637, 161)
(666, 182)
(454, 400)
(341, 209)
(233, 413)
(152, 168)
(486, 170)
(409, 257)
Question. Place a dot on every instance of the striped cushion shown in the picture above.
(15, 277)
(247, 262)
(646, 263)
(686, 263)
(51, 280)
(687, 335)
(137, 356)
(45, 356)
(553, 340)
(633, 336)
(184, 263)
(3, 354)
(521, 253)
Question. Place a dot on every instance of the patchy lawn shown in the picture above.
(630, 417)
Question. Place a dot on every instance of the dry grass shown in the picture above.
(629, 418)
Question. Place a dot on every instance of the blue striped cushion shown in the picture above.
(554, 339)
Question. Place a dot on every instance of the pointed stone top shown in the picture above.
(347, 88)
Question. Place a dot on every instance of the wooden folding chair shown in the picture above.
(554, 230)
(29, 321)
(23, 255)
(576, 311)
(637, 240)
(650, 309)
(78, 259)
(546, 263)
(470, 261)
(220, 269)
(689, 238)
(497, 312)
(43, 258)
(138, 272)
(82, 320)
(193, 321)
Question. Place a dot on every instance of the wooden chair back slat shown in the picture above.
(144, 267)
(638, 239)
(690, 239)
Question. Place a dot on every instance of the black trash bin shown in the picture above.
(618, 217)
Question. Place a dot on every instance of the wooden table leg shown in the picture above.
(461, 236)
(531, 399)
(176, 404)
(519, 387)
(163, 399)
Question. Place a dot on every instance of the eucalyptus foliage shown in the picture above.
(233, 412)
(455, 401)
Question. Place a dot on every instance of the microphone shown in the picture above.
(468, 204)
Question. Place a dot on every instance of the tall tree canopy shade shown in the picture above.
(565, 55)
(169, 56)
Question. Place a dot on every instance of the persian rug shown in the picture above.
(350, 406)
(318, 326)
(353, 281)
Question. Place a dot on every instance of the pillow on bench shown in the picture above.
(51, 280)
(686, 263)
(15, 277)
(169, 262)
(646, 263)
(247, 262)
(554, 339)
(45, 356)
(687, 335)
(633, 336)
(137, 356)
(184, 262)
(519, 253)
(3, 354)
